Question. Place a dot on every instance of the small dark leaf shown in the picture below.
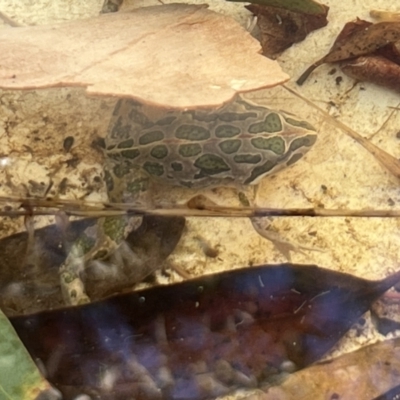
(301, 6)
(280, 28)
(375, 69)
(357, 39)
(201, 338)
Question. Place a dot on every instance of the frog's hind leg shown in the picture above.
(263, 226)
(102, 239)
(95, 243)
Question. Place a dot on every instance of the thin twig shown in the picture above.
(34, 206)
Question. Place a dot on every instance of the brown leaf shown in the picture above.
(281, 28)
(375, 69)
(391, 52)
(358, 38)
(164, 55)
(301, 6)
(200, 338)
(367, 373)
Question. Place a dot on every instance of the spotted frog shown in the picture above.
(239, 144)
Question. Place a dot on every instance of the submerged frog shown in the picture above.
(237, 144)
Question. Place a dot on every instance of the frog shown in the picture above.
(237, 144)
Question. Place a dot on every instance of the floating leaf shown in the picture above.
(357, 39)
(173, 48)
(302, 6)
(19, 376)
(30, 281)
(280, 28)
(201, 338)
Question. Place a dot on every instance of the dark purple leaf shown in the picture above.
(201, 338)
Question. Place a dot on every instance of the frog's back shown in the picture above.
(240, 142)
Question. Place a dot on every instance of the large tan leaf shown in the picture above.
(176, 55)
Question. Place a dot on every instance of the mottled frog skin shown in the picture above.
(237, 144)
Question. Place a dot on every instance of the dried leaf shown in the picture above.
(19, 376)
(358, 40)
(382, 15)
(280, 28)
(302, 6)
(200, 338)
(162, 55)
(375, 69)
(369, 373)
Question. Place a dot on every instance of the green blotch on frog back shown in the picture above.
(114, 228)
(177, 166)
(275, 144)
(138, 185)
(140, 118)
(153, 168)
(166, 121)
(226, 131)
(68, 278)
(189, 150)
(126, 144)
(247, 158)
(192, 132)
(131, 154)
(271, 124)
(301, 124)
(151, 137)
(121, 169)
(84, 243)
(116, 156)
(296, 157)
(236, 116)
(159, 152)
(305, 141)
(230, 146)
(258, 172)
(210, 164)
(201, 116)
